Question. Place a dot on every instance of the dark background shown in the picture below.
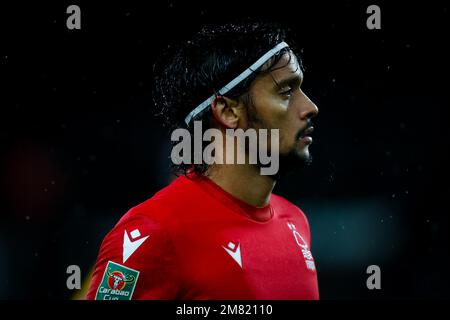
(79, 144)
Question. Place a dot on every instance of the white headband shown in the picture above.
(236, 80)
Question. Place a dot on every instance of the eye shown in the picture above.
(286, 90)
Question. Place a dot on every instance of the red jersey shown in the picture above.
(193, 240)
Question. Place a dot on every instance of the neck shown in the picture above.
(244, 182)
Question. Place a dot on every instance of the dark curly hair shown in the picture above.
(194, 70)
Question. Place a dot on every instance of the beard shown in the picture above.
(290, 162)
(293, 161)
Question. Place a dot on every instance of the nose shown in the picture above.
(309, 109)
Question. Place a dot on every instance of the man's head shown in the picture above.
(269, 98)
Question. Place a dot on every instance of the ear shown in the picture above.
(226, 111)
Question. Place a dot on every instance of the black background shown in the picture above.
(80, 145)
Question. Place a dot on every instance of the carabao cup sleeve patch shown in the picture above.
(118, 282)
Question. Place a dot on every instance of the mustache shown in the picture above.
(301, 132)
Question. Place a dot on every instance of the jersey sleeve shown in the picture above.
(306, 225)
(137, 260)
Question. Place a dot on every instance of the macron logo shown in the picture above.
(129, 247)
(234, 251)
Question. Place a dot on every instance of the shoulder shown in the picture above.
(138, 238)
(287, 206)
(160, 207)
(154, 217)
(145, 241)
(149, 224)
(141, 242)
(288, 210)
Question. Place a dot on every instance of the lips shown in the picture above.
(305, 138)
(308, 131)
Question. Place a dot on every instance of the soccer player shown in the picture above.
(217, 231)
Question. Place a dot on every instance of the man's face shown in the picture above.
(279, 103)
